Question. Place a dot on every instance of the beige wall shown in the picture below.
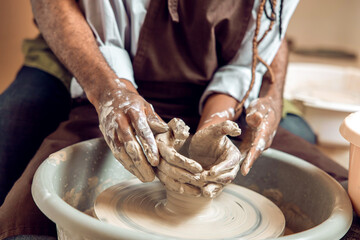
(316, 23)
(15, 25)
(327, 24)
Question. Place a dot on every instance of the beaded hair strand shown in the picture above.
(256, 58)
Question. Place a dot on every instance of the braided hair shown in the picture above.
(255, 57)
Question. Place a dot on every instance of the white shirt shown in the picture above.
(117, 24)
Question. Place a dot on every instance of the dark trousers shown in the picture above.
(30, 109)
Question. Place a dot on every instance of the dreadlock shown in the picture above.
(256, 58)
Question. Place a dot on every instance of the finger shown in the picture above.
(179, 129)
(261, 140)
(212, 190)
(125, 160)
(180, 174)
(224, 178)
(223, 128)
(134, 150)
(174, 158)
(145, 136)
(175, 186)
(252, 155)
(230, 128)
(179, 132)
(228, 160)
(121, 155)
(254, 119)
(156, 124)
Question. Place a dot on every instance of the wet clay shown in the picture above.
(147, 207)
(176, 207)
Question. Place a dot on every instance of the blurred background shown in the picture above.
(15, 24)
(321, 31)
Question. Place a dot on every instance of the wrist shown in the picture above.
(100, 92)
(217, 108)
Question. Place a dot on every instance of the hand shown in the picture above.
(177, 172)
(262, 116)
(217, 155)
(127, 122)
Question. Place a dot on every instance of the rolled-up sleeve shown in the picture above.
(120, 62)
(110, 24)
(234, 78)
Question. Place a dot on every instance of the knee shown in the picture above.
(298, 126)
(32, 92)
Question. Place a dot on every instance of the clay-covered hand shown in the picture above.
(262, 116)
(177, 172)
(217, 154)
(128, 124)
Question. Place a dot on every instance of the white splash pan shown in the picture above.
(320, 208)
(327, 93)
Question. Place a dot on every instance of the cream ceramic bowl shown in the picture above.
(350, 130)
(327, 94)
(67, 183)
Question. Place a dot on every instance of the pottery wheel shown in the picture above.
(237, 213)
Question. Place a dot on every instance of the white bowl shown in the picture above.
(67, 183)
(328, 94)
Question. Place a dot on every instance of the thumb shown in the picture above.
(254, 119)
(219, 130)
(230, 128)
(179, 128)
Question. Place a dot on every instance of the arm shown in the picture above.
(231, 81)
(279, 65)
(69, 36)
(264, 114)
(123, 114)
(211, 147)
(218, 108)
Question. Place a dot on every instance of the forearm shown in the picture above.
(69, 36)
(279, 66)
(217, 108)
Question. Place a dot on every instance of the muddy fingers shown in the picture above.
(180, 174)
(121, 155)
(224, 178)
(212, 190)
(139, 161)
(176, 186)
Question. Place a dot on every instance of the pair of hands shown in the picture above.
(218, 160)
(129, 125)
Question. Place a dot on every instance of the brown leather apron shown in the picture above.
(181, 45)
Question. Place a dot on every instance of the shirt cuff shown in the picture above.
(233, 81)
(119, 61)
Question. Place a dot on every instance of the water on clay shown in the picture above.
(146, 207)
